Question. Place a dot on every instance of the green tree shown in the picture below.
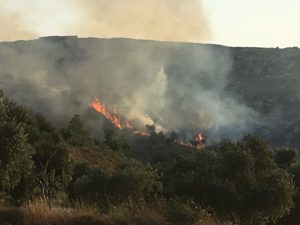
(76, 133)
(293, 217)
(15, 151)
(238, 180)
(90, 185)
(134, 180)
(53, 167)
(112, 140)
(285, 157)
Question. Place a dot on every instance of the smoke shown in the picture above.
(11, 28)
(147, 100)
(189, 94)
(168, 20)
(175, 86)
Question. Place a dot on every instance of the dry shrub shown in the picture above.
(133, 212)
(38, 212)
(81, 208)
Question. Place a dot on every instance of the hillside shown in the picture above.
(222, 91)
(52, 175)
(268, 80)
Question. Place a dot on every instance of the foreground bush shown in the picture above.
(236, 179)
(132, 180)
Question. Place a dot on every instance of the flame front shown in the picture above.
(197, 143)
(101, 108)
(114, 118)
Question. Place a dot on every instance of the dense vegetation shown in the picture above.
(147, 180)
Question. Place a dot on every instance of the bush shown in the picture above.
(184, 211)
(132, 180)
(237, 180)
(15, 151)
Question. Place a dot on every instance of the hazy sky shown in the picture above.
(255, 22)
(229, 22)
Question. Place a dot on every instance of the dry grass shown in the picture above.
(131, 213)
(38, 212)
(81, 208)
(107, 160)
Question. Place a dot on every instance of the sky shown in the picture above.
(268, 23)
(260, 23)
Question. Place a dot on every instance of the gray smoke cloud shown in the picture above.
(176, 86)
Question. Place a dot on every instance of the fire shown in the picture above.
(128, 125)
(114, 118)
(101, 108)
(141, 133)
(197, 143)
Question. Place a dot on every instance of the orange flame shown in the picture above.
(199, 137)
(114, 118)
(141, 133)
(101, 108)
(199, 141)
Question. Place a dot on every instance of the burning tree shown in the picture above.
(114, 118)
(198, 142)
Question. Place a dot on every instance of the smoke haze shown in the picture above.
(168, 20)
(173, 85)
(11, 28)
